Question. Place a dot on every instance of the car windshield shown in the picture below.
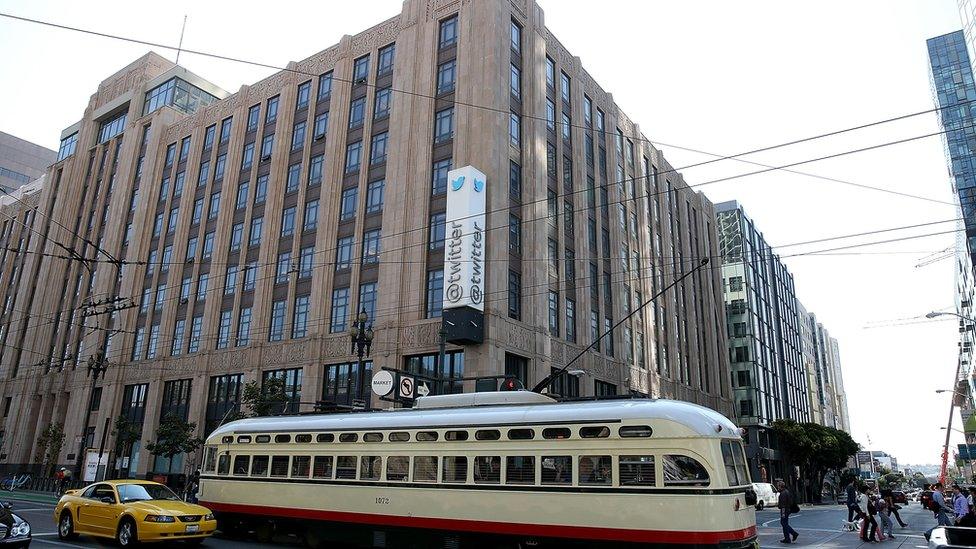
(145, 492)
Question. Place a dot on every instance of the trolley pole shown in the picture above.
(96, 367)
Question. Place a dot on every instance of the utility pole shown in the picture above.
(96, 367)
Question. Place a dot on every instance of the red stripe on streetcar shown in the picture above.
(538, 530)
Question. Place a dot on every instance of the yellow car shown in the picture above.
(132, 511)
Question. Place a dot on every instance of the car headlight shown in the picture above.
(21, 529)
(208, 516)
(160, 518)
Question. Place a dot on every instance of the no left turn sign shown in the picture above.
(406, 387)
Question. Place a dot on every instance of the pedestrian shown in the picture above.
(67, 479)
(884, 513)
(960, 506)
(869, 526)
(894, 508)
(193, 486)
(59, 481)
(853, 510)
(938, 506)
(787, 506)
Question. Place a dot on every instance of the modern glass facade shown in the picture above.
(176, 93)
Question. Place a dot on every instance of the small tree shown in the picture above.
(815, 449)
(174, 437)
(49, 445)
(264, 399)
(125, 433)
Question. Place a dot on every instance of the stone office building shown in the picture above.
(221, 238)
(21, 162)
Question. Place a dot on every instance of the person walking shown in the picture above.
(960, 506)
(853, 510)
(869, 526)
(938, 506)
(884, 513)
(893, 508)
(787, 506)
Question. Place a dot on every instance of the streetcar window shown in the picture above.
(557, 469)
(244, 439)
(594, 432)
(223, 464)
(556, 432)
(520, 470)
(346, 466)
(487, 434)
(348, 437)
(262, 439)
(637, 471)
(373, 437)
(595, 470)
(299, 466)
(399, 436)
(456, 435)
(521, 434)
(259, 466)
(426, 436)
(370, 467)
(325, 437)
(241, 464)
(279, 466)
(322, 467)
(303, 438)
(397, 468)
(425, 469)
(684, 471)
(735, 463)
(635, 431)
(282, 439)
(488, 469)
(226, 440)
(455, 469)
(210, 459)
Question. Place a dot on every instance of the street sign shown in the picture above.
(406, 387)
(422, 389)
(382, 383)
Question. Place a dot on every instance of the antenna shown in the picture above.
(179, 49)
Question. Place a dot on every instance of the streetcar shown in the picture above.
(497, 469)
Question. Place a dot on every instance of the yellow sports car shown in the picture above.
(132, 511)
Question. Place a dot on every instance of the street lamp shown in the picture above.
(952, 403)
(361, 336)
(96, 367)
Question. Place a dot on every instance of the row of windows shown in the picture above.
(678, 471)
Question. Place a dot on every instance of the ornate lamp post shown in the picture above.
(361, 336)
(96, 367)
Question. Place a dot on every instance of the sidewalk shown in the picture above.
(29, 495)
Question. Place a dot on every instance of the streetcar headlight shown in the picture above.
(208, 516)
(160, 518)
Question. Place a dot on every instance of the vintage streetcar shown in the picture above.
(500, 469)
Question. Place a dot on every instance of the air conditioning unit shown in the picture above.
(265, 158)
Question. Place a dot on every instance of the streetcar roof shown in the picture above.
(683, 418)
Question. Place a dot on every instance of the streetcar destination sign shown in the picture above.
(464, 250)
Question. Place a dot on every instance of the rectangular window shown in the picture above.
(247, 158)
(244, 327)
(564, 87)
(514, 234)
(550, 73)
(344, 253)
(360, 70)
(225, 126)
(566, 127)
(435, 293)
(220, 167)
(340, 310)
(595, 328)
(288, 221)
(371, 247)
(515, 81)
(303, 92)
(299, 323)
(311, 219)
(315, 170)
(283, 268)
(515, 129)
(608, 339)
(177, 343)
(367, 300)
(267, 146)
(347, 204)
(550, 114)
(250, 276)
(276, 331)
(252, 117)
(520, 470)
(242, 190)
(353, 156)
(446, 76)
(444, 125)
(321, 125)
(377, 149)
(214, 206)
(257, 224)
(514, 295)
(236, 236)
(260, 189)
(272, 113)
(374, 196)
(370, 467)
(208, 137)
(437, 226)
(68, 145)
(571, 320)
(448, 32)
(178, 183)
(553, 313)
(325, 86)
(208, 242)
(196, 327)
(357, 112)
(298, 136)
(305, 258)
(602, 388)
(439, 176)
(202, 283)
(516, 37)
(637, 470)
(223, 331)
(514, 180)
(170, 155)
(384, 64)
(184, 149)
(382, 103)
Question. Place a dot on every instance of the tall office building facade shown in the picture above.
(227, 238)
(768, 374)
(825, 380)
(954, 92)
(21, 162)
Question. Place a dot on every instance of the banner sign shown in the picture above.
(464, 246)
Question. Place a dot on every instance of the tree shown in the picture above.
(126, 433)
(49, 445)
(816, 449)
(174, 437)
(265, 399)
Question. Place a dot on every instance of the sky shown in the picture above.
(709, 75)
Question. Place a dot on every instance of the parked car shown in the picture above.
(20, 533)
(132, 512)
(766, 495)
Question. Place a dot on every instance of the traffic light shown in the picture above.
(511, 384)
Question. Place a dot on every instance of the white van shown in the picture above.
(766, 495)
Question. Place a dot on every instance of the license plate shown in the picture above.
(193, 528)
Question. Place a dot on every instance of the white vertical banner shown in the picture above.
(464, 235)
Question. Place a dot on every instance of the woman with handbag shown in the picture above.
(787, 506)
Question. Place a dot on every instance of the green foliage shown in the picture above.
(174, 437)
(125, 433)
(49, 445)
(265, 399)
(891, 481)
(816, 449)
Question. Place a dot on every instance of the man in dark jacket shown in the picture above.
(786, 503)
(852, 509)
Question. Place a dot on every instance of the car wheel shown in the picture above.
(66, 526)
(760, 505)
(127, 536)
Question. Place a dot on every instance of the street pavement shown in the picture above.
(819, 526)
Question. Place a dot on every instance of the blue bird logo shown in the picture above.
(479, 185)
(458, 183)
